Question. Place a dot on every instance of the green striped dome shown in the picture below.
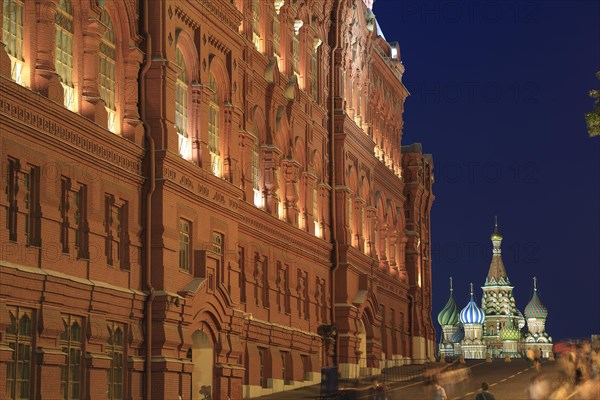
(535, 308)
(449, 314)
(509, 332)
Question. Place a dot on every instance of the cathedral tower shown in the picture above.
(498, 302)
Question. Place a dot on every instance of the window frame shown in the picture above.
(73, 348)
(107, 78)
(64, 54)
(23, 343)
(13, 37)
(185, 245)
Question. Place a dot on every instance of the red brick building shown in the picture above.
(213, 191)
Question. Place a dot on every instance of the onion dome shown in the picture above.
(449, 314)
(458, 335)
(535, 308)
(496, 236)
(510, 332)
(472, 314)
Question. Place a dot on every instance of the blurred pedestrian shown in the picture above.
(439, 392)
(484, 394)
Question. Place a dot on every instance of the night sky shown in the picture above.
(498, 96)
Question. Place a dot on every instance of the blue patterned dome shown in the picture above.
(472, 314)
(459, 335)
(535, 308)
(449, 314)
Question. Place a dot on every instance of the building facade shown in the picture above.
(205, 198)
(497, 329)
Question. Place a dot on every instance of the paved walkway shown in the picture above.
(356, 388)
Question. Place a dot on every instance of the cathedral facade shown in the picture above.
(205, 199)
(497, 329)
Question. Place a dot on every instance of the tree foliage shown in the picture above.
(593, 118)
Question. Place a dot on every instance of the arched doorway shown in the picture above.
(203, 357)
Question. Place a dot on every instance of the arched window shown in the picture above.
(316, 218)
(214, 130)
(12, 36)
(256, 24)
(107, 76)
(181, 107)
(64, 51)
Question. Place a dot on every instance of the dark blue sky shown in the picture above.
(498, 96)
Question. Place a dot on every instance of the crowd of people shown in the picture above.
(576, 377)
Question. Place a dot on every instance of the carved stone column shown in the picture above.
(291, 174)
(92, 105)
(132, 127)
(246, 143)
(371, 232)
(382, 231)
(194, 133)
(308, 214)
(271, 156)
(360, 214)
(46, 80)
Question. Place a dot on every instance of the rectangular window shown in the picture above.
(184, 245)
(22, 189)
(64, 51)
(72, 346)
(262, 380)
(115, 347)
(11, 194)
(19, 337)
(12, 36)
(78, 216)
(73, 210)
(116, 231)
(218, 243)
(284, 366)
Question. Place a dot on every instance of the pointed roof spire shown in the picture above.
(471, 284)
(534, 283)
(451, 290)
(496, 236)
(497, 273)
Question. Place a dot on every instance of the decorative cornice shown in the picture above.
(16, 107)
(186, 19)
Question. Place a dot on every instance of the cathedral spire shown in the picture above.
(451, 290)
(497, 272)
